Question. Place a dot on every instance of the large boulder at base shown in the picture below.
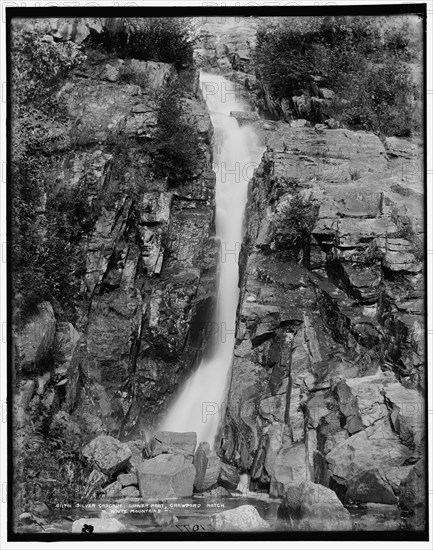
(290, 466)
(378, 517)
(242, 518)
(176, 443)
(127, 479)
(361, 401)
(100, 525)
(413, 496)
(229, 476)
(166, 476)
(371, 486)
(107, 454)
(207, 465)
(130, 492)
(35, 339)
(313, 507)
(376, 447)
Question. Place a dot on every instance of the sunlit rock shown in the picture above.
(242, 518)
(107, 454)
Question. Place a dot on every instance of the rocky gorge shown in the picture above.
(324, 420)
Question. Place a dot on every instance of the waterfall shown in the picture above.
(199, 406)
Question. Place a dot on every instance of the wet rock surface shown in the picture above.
(312, 507)
(243, 518)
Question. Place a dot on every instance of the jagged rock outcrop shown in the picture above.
(311, 507)
(166, 476)
(413, 496)
(329, 342)
(107, 454)
(149, 251)
(242, 518)
(228, 476)
(207, 465)
(174, 443)
(34, 341)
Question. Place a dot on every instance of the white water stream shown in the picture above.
(199, 406)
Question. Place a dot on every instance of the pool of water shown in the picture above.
(194, 514)
(191, 514)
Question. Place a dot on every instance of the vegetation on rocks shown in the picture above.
(166, 39)
(49, 470)
(48, 220)
(292, 224)
(177, 147)
(43, 225)
(364, 60)
(405, 230)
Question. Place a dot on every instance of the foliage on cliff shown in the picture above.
(48, 218)
(363, 59)
(49, 470)
(42, 226)
(165, 39)
(176, 152)
(291, 225)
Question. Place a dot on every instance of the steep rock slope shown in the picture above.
(328, 370)
(149, 259)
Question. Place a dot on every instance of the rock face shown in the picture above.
(149, 253)
(34, 341)
(312, 507)
(107, 454)
(328, 373)
(207, 465)
(228, 476)
(413, 496)
(290, 466)
(166, 476)
(174, 443)
(127, 479)
(242, 518)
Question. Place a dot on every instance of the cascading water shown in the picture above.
(236, 153)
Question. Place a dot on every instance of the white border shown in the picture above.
(189, 544)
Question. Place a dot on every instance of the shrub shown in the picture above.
(47, 263)
(49, 470)
(165, 39)
(363, 59)
(292, 224)
(379, 100)
(128, 74)
(129, 171)
(176, 152)
(405, 230)
(38, 65)
(42, 249)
